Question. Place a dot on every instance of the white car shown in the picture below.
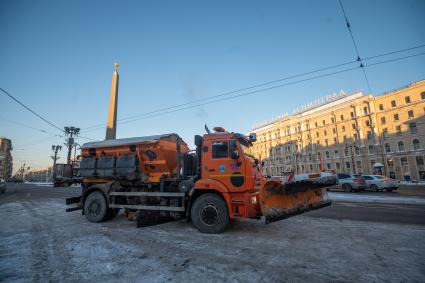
(380, 183)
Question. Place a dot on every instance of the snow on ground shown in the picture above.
(383, 198)
(40, 242)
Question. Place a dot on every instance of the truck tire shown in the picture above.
(95, 207)
(209, 214)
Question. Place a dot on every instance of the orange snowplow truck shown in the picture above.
(157, 178)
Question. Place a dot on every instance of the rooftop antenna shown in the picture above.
(206, 129)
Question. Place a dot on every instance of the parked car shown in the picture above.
(350, 183)
(2, 186)
(380, 183)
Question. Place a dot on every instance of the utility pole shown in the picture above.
(70, 133)
(55, 149)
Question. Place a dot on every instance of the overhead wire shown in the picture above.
(270, 88)
(359, 58)
(29, 109)
(102, 125)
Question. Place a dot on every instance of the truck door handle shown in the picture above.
(211, 170)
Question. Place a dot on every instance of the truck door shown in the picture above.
(219, 165)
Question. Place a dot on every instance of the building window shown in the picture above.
(328, 165)
(413, 129)
(355, 136)
(342, 117)
(381, 107)
(393, 104)
(323, 122)
(311, 167)
(333, 120)
(410, 113)
(383, 120)
(416, 144)
(423, 95)
(419, 160)
(390, 162)
(367, 123)
(398, 130)
(359, 165)
(365, 111)
(325, 133)
(421, 175)
(326, 142)
(357, 150)
(338, 166)
(315, 124)
(385, 133)
(335, 141)
(403, 161)
(334, 130)
(346, 151)
(369, 135)
(336, 153)
(352, 114)
(348, 165)
(344, 138)
(371, 149)
(400, 146)
(407, 99)
(343, 128)
(327, 154)
(353, 126)
(387, 147)
(317, 134)
(396, 118)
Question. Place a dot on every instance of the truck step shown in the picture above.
(150, 194)
(148, 207)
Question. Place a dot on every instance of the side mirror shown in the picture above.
(252, 137)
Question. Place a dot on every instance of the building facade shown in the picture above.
(353, 133)
(6, 161)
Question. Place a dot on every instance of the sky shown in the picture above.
(57, 58)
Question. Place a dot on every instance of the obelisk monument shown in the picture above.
(111, 127)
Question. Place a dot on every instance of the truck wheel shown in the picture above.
(347, 188)
(95, 207)
(209, 214)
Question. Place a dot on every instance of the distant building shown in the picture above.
(353, 133)
(6, 162)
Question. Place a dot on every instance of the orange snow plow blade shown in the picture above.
(279, 200)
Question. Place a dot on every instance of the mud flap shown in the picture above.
(280, 200)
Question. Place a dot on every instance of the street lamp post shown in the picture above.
(70, 132)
